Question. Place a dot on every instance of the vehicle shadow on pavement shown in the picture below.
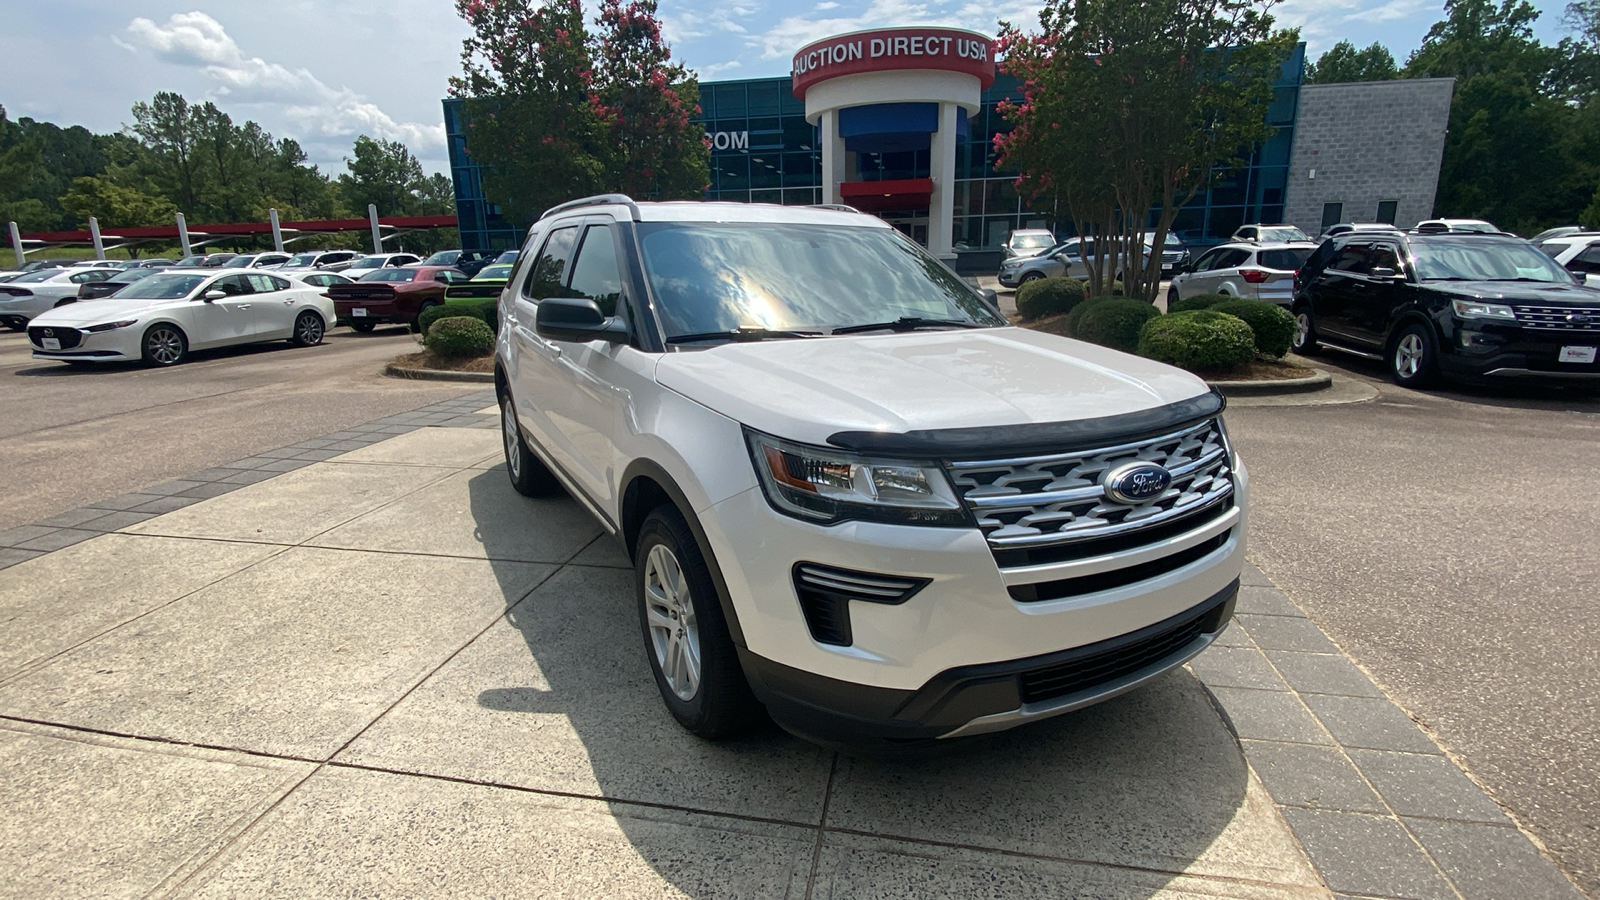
(1511, 394)
(1116, 800)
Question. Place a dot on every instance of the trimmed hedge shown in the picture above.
(1115, 322)
(1272, 324)
(485, 310)
(459, 336)
(1075, 318)
(1044, 296)
(1198, 301)
(1115, 288)
(1199, 340)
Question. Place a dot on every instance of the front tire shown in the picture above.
(529, 475)
(308, 330)
(1414, 357)
(1305, 333)
(686, 638)
(1031, 276)
(164, 345)
(1172, 297)
(416, 324)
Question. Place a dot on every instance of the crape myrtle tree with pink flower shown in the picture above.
(554, 111)
(1130, 108)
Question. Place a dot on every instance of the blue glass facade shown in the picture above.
(764, 151)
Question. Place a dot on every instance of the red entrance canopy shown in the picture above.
(885, 196)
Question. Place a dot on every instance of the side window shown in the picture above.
(1587, 262)
(1232, 258)
(550, 269)
(1386, 256)
(264, 284)
(443, 275)
(1247, 234)
(1208, 261)
(232, 285)
(596, 275)
(1355, 258)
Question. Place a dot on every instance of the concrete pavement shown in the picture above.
(384, 673)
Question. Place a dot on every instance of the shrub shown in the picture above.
(1114, 289)
(1198, 301)
(459, 336)
(1115, 322)
(1075, 318)
(1048, 295)
(486, 310)
(1272, 324)
(1199, 340)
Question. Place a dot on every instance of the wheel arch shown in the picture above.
(1410, 317)
(646, 485)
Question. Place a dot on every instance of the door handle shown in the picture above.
(244, 306)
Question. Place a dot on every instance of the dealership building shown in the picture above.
(900, 122)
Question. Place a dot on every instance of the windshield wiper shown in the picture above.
(740, 334)
(907, 323)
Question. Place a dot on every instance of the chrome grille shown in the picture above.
(1584, 319)
(1058, 499)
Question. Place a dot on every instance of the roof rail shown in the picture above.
(836, 207)
(596, 200)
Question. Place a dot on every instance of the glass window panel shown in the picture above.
(802, 170)
(798, 134)
(766, 196)
(763, 98)
(764, 171)
(730, 100)
(708, 103)
(1224, 221)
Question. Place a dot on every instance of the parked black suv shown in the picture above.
(1470, 306)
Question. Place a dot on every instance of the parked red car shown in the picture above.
(392, 295)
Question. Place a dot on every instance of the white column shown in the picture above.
(183, 236)
(833, 156)
(377, 235)
(94, 235)
(277, 232)
(942, 166)
(16, 245)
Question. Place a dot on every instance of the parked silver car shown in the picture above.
(1259, 232)
(1026, 242)
(1065, 259)
(30, 294)
(1254, 271)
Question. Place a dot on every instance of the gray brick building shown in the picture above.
(1367, 152)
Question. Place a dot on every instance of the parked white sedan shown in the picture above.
(32, 293)
(162, 318)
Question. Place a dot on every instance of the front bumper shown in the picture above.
(1490, 352)
(116, 345)
(953, 658)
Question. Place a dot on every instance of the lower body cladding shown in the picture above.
(937, 641)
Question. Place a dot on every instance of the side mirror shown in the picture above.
(1384, 272)
(577, 319)
(214, 294)
(992, 298)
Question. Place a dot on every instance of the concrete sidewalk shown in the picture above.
(384, 673)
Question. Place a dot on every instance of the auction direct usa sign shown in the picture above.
(890, 49)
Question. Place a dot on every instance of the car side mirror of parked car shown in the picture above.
(1384, 272)
(214, 295)
(577, 319)
(992, 298)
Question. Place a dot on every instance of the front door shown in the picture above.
(538, 372)
(1336, 294)
(1375, 295)
(231, 319)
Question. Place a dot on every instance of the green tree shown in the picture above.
(115, 205)
(170, 128)
(528, 85)
(1343, 63)
(383, 173)
(1130, 107)
(1518, 151)
(645, 101)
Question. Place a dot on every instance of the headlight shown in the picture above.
(109, 326)
(827, 486)
(1473, 309)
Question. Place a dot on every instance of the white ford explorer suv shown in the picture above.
(853, 495)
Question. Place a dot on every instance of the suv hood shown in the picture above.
(807, 389)
(1520, 292)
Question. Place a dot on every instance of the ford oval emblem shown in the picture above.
(1137, 482)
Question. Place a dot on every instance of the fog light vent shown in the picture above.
(825, 593)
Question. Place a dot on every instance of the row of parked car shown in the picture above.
(1450, 297)
(181, 308)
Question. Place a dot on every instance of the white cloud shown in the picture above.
(323, 114)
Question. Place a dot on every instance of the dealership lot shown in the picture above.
(384, 671)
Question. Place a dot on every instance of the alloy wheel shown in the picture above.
(309, 330)
(1302, 328)
(1409, 354)
(674, 634)
(508, 433)
(164, 345)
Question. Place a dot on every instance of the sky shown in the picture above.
(325, 71)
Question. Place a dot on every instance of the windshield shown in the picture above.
(130, 276)
(191, 260)
(1480, 260)
(1032, 241)
(390, 275)
(723, 277)
(241, 262)
(369, 262)
(1287, 260)
(37, 276)
(442, 258)
(493, 273)
(301, 260)
(1283, 233)
(161, 286)
(506, 258)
